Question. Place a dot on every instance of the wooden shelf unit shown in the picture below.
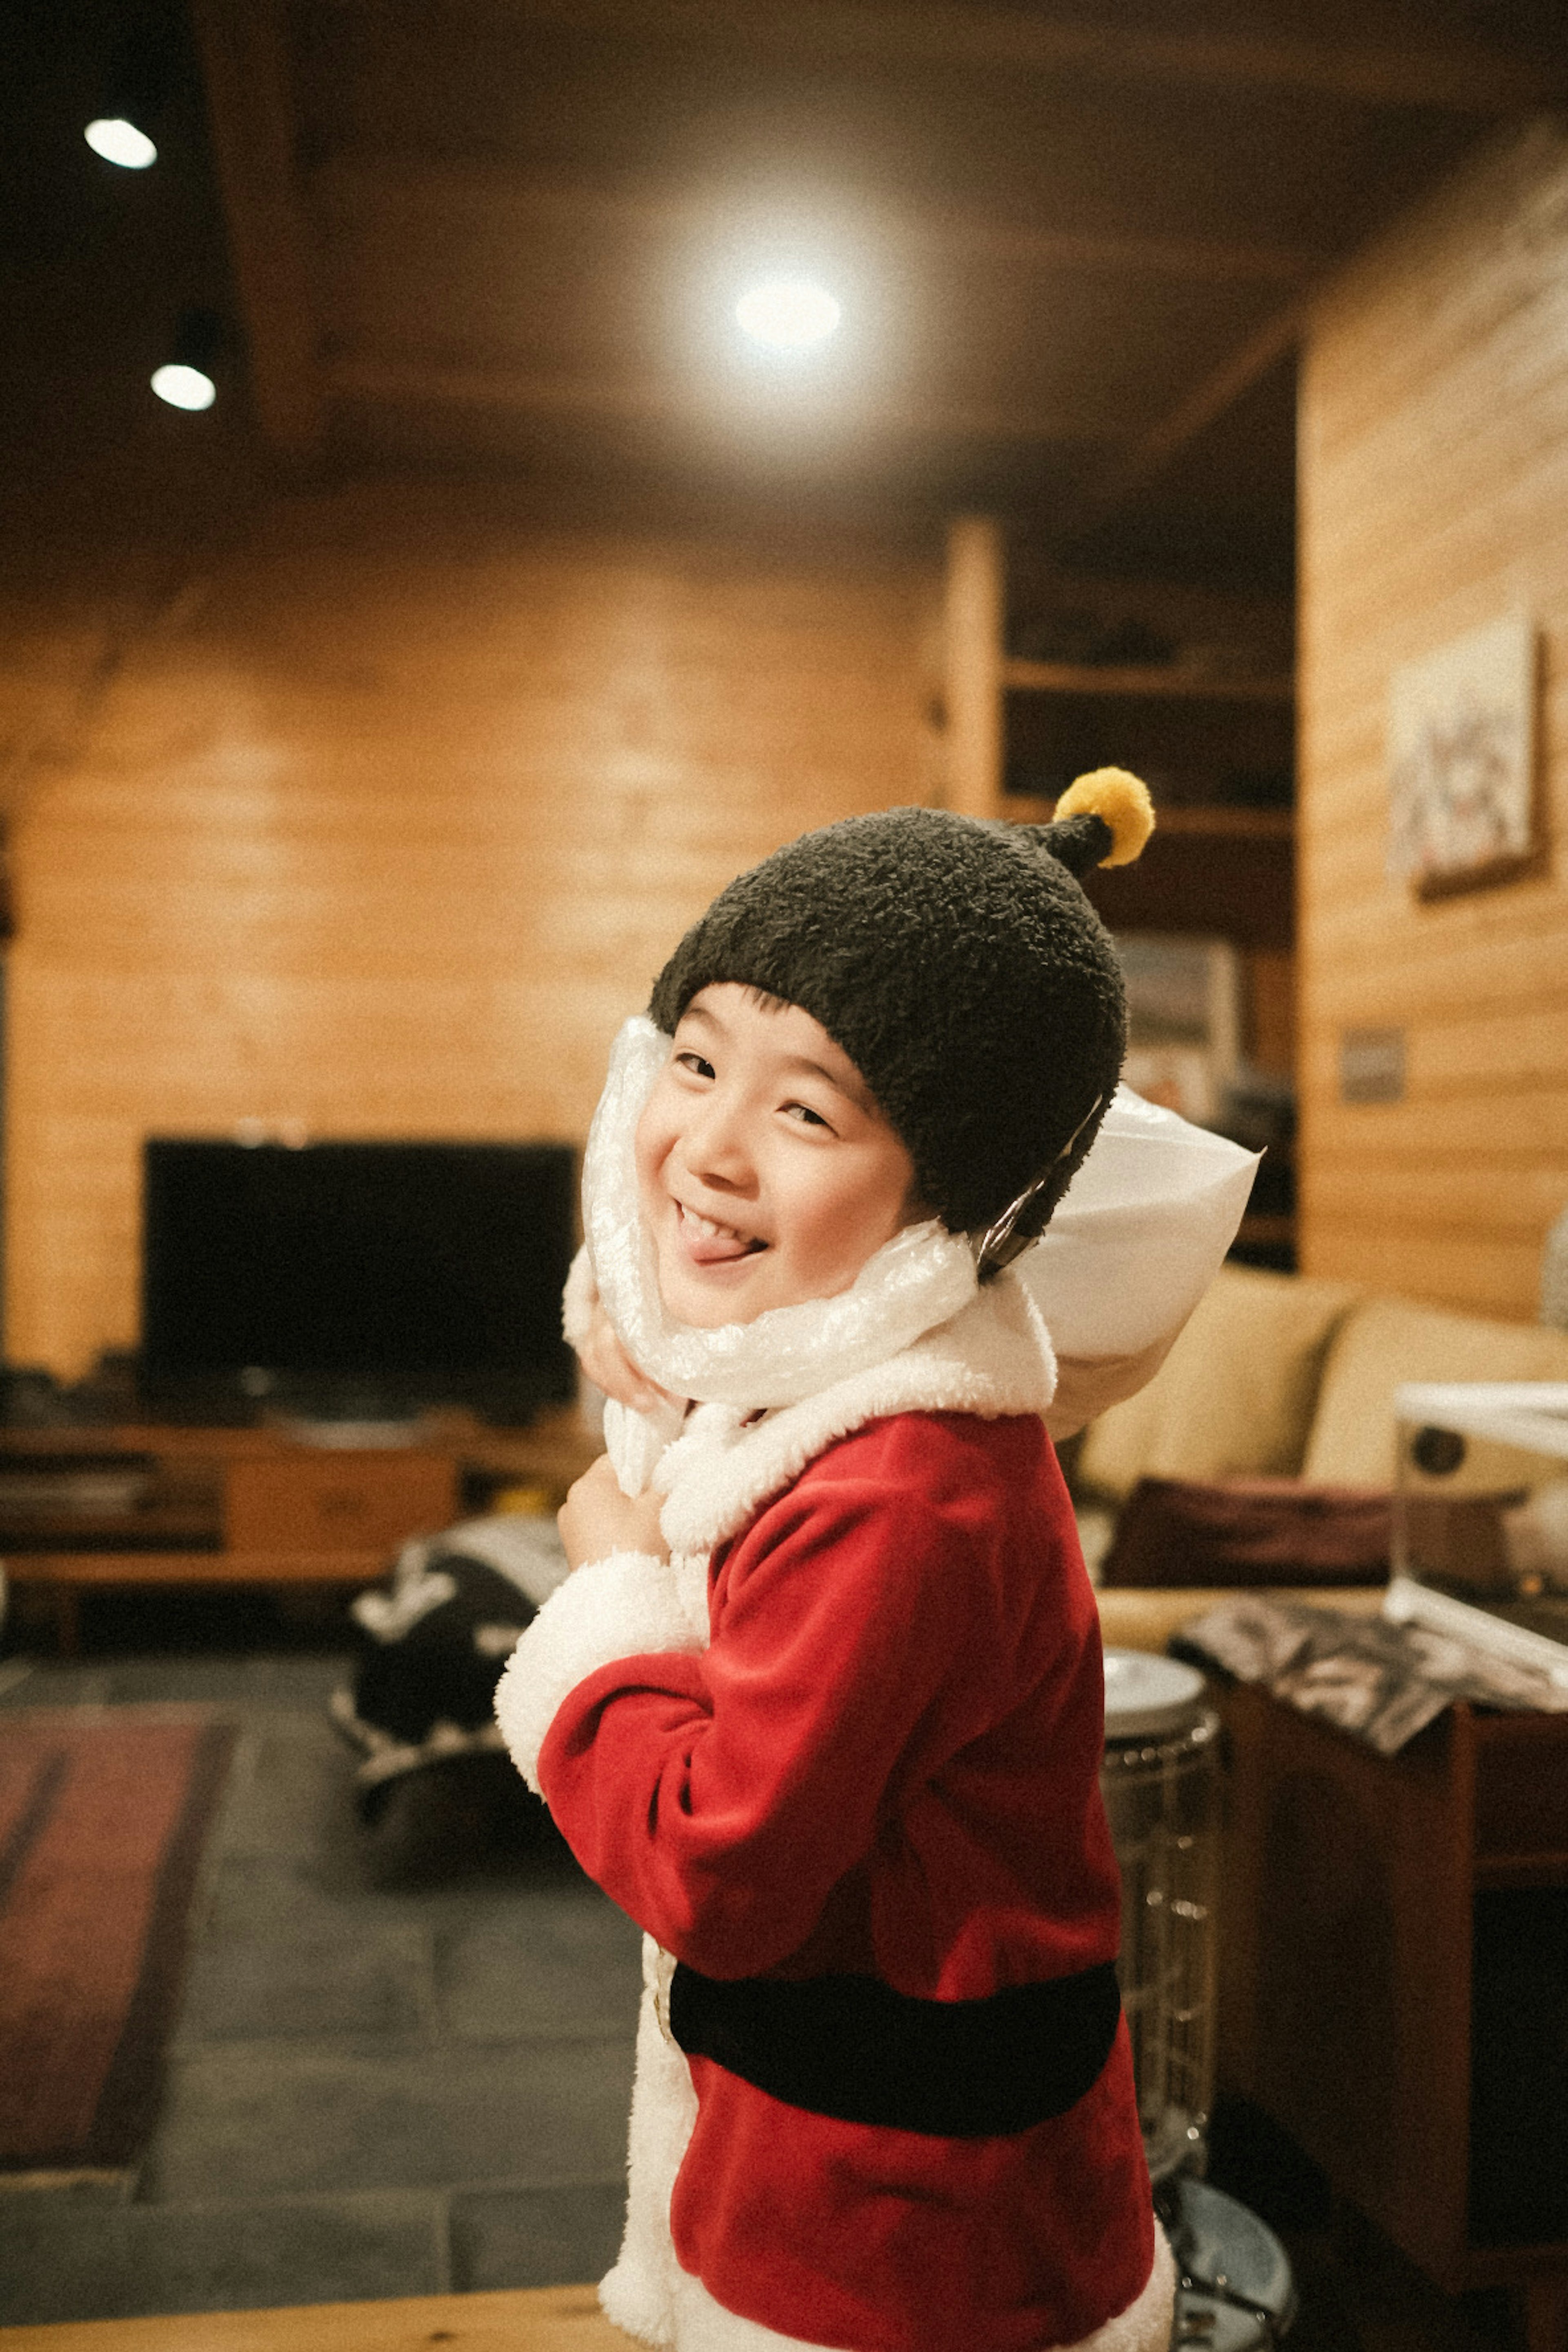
(258, 1507)
(984, 685)
(1152, 683)
(1211, 822)
(1215, 867)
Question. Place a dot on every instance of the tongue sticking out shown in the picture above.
(708, 1243)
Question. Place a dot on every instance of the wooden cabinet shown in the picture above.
(325, 1501)
(1393, 1974)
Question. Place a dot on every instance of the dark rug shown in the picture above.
(101, 1824)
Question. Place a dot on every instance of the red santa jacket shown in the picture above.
(884, 1765)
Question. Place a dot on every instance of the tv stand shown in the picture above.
(354, 1435)
(143, 1503)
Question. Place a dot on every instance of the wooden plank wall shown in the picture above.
(1434, 482)
(387, 824)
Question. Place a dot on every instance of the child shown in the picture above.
(822, 1712)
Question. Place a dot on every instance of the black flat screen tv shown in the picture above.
(366, 1280)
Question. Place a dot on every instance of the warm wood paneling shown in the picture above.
(387, 830)
(1434, 476)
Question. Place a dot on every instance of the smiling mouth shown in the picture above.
(709, 1242)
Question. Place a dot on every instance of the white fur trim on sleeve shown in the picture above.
(617, 1608)
(579, 1298)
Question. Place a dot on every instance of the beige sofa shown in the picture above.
(1279, 1373)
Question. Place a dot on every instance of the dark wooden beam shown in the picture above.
(1469, 78)
(361, 183)
(245, 64)
(831, 412)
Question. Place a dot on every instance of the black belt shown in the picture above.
(849, 2046)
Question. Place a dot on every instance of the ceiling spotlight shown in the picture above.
(118, 142)
(788, 314)
(135, 92)
(186, 380)
(183, 387)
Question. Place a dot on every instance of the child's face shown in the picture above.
(765, 1171)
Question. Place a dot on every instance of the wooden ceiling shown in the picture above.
(1073, 243)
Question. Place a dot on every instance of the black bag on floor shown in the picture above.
(433, 1641)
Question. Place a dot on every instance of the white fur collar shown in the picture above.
(993, 1358)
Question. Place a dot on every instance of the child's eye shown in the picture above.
(805, 1115)
(695, 1064)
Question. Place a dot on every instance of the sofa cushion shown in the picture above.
(1235, 1394)
(1117, 1445)
(1251, 1531)
(1384, 1341)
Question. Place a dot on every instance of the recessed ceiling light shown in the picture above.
(788, 314)
(183, 387)
(188, 377)
(118, 142)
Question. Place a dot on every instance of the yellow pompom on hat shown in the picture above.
(1120, 800)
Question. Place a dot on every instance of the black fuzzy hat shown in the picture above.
(960, 967)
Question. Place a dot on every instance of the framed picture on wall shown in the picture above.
(1461, 759)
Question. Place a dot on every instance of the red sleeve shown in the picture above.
(718, 1798)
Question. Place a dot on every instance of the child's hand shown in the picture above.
(597, 1519)
(610, 1368)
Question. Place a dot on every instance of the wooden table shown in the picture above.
(530, 2319)
(258, 1507)
(1346, 1943)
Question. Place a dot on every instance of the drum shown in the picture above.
(1237, 2292)
(1160, 1779)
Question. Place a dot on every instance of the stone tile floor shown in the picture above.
(404, 2061)
(398, 2070)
